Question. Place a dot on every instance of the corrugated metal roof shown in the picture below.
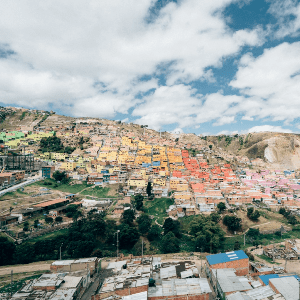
(226, 257)
(186, 274)
(260, 293)
(238, 296)
(189, 286)
(168, 272)
(229, 282)
(265, 278)
(287, 286)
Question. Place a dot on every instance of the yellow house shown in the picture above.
(69, 166)
(159, 181)
(137, 182)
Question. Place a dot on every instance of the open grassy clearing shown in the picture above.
(97, 191)
(157, 208)
(66, 188)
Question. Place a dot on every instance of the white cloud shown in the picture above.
(227, 132)
(270, 84)
(177, 131)
(269, 128)
(288, 14)
(87, 58)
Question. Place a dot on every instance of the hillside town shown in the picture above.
(130, 161)
(196, 175)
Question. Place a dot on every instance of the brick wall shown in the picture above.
(187, 297)
(241, 266)
(122, 292)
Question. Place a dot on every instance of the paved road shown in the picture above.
(17, 186)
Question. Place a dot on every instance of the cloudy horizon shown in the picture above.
(193, 66)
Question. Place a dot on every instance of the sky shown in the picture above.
(192, 66)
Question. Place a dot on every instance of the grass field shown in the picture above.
(157, 208)
(97, 191)
(66, 188)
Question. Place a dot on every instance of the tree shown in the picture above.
(58, 219)
(144, 223)
(292, 220)
(137, 248)
(253, 233)
(26, 226)
(233, 223)
(210, 147)
(128, 216)
(170, 243)
(237, 245)
(71, 210)
(253, 214)
(149, 189)
(221, 206)
(36, 222)
(49, 220)
(154, 233)
(61, 176)
(171, 226)
(7, 250)
(282, 210)
(128, 236)
(138, 199)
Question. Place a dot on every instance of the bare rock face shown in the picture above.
(283, 151)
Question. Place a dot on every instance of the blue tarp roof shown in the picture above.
(265, 278)
(226, 257)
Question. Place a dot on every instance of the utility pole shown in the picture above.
(245, 239)
(60, 251)
(142, 250)
(11, 282)
(285, 263)
(201, 261)
(273, 251)
(118, 244)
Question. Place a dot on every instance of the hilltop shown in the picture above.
(263, 149)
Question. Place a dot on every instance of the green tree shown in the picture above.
(7, 250)
(233, 223)
(138, 201)
(253, 233)
(61, 176)
(49, 220)
(128, 216)
(282, 210)
(36, 222)
(149, 189)
(58, 219)
(26, 226)
(237, 245)
(170, 243)
(154, 233)
(253, 214)
(144, 223)
(128, 236)
(171, 226)
(137, 248)
(221, 207)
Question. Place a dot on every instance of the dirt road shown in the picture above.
(25, 268)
